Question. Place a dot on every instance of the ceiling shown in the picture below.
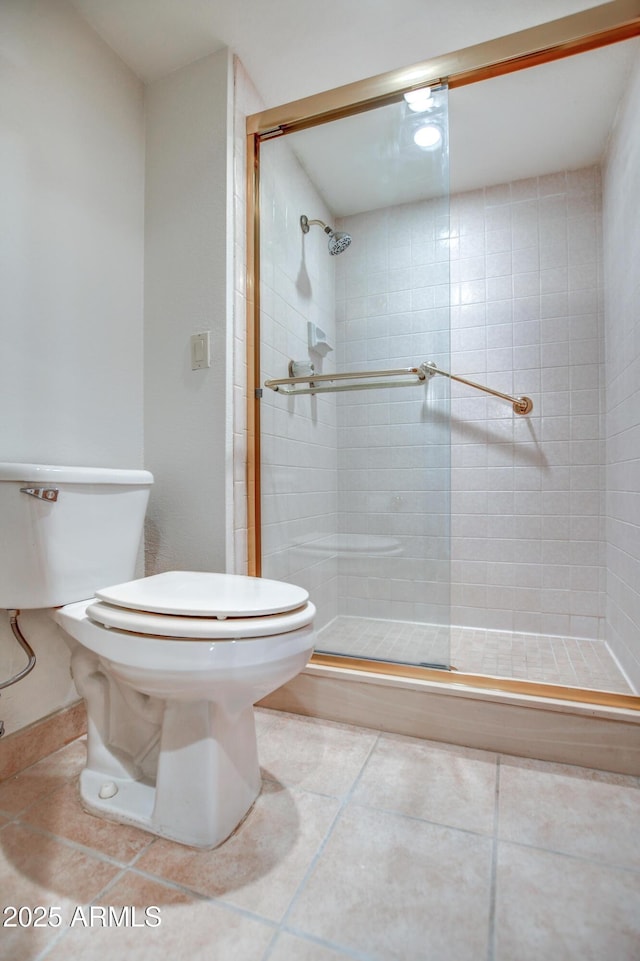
(293, 48)
(560, 113)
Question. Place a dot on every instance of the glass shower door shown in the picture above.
(355, 431)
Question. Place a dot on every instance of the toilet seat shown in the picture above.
(201, 605)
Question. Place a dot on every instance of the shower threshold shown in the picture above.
(540, 717)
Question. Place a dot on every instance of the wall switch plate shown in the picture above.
(200, 350)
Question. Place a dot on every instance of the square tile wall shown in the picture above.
(393, 444)
(526, 318)
(299, 455)
(527, 545)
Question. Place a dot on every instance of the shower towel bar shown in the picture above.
(521, 405)
(281, 386)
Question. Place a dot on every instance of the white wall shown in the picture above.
(622, 343)
(189, 288)
(71, 277)
(72, 169)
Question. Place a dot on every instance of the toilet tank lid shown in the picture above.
(50, 473)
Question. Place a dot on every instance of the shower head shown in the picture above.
(338, 240)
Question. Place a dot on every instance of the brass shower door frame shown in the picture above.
(590, 29)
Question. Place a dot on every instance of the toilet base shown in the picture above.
(171, 739)
(208, 778)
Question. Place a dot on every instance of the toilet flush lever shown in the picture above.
(43, 493)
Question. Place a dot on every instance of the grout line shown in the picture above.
(272, 943)
(55, 940)
(323, 844)
(167, 883)
(108, 886)
(403, 816)
(598, 861)
(218, 900)
(76, 846)
(95, 900)
(494, 870)
(62, 933)
(339, 949)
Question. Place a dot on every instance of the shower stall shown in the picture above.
(355, 432)
(427, 397)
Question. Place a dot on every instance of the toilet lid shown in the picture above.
(203, 594)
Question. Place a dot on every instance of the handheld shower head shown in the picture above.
(338, 239)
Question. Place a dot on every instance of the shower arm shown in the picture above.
(321, 222)
(521, 405)
(305, 223)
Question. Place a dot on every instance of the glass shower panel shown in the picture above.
(356, 470)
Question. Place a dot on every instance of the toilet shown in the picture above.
(169, 665)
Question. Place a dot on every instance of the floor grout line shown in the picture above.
(339, 949)
(494, 869)
(312, 865)
(76, 845)
(599, 862)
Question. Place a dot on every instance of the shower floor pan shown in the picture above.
(567, 661)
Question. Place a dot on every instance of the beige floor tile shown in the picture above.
(563, 908)
(260, 867)
(55, 867)
(138, 891)
(61, 813)
(574, 810)
(313, 754)
(18, 792)
(22, 939)
(264, 719)
(440, 782)
(200, 931)
(288, 947)
(25, 942)
(40, 871)
(399, 889)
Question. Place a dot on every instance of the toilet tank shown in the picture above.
(67, 531)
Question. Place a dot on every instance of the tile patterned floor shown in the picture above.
(573, 662)
(361, 846)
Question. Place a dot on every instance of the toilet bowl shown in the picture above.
(169, 665)
(192, 652)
